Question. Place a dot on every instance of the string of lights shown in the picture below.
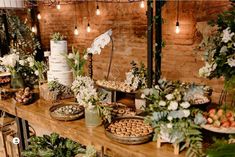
(59, 3)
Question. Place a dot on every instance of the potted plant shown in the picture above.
(172, 118)
(86, 95)
(76, 62)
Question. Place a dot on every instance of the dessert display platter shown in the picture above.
(66, 111)
(223, 130)
(129, 130)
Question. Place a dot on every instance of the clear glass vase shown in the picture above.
(92, 117)
(16, 80)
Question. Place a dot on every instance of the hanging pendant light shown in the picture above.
(88, 29)
(33, 29)
(142, 4)
(58, 7)
(39, 16)
(97, 10)
(76, 32)
(177, 26)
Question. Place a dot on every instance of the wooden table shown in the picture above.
(38, 114)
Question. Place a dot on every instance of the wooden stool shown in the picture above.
(176, 146)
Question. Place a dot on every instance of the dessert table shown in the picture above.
(37, 113)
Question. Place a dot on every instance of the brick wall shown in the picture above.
(128, 22)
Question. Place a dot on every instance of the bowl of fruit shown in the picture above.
(220, 120)
(24, 96)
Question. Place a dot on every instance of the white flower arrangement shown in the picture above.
(171, 115)
(100, 42)
(136, 77)
(85, 92)
(219, 49)
(10, 60)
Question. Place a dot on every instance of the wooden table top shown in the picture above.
(38, 114)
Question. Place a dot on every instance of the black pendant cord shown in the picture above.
(177, 11)
(150, 42)
(158, 39)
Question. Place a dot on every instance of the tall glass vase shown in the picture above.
(16, 80)
(92, 117)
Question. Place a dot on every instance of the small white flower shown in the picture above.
(21, 62)
(169, 96)
(76, 62)
(227, 35)
(31, 64)
(85, 56)
(162, 103)
(142, 96)
(185, 104)
(231, 62)
(71, 56)
(169, 118)
(36, 72)
(186, 113)
(157, 87)
(173, 105)
(169, 125)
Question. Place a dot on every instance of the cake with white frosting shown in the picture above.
(58, 67)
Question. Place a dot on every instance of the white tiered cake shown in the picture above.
(58, 67)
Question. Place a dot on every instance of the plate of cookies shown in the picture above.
(129, 130)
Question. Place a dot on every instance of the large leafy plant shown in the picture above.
(23, 39)
(55, 146)
(172, 118)
(220, 50)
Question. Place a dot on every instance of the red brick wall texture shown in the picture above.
(180, 59)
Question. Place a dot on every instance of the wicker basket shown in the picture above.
(65, 117)
(128, 140)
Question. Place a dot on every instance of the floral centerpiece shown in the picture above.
(11, 62)
(136, 77)
(171, 116)
(220, 51)
(76, 62)
(86, 95)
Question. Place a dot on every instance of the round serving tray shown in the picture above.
(219, 130)
(65, 117)
(127, 140)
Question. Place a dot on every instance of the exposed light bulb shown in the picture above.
(33, 29)
(177, 28)
(88, 29)
(76, 32)
(97, 10)
(142, 4)
(39, 16)
(58, 6)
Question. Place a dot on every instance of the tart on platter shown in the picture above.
(66, 111)
(120, 110)
(129, 130)
(115, 85)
